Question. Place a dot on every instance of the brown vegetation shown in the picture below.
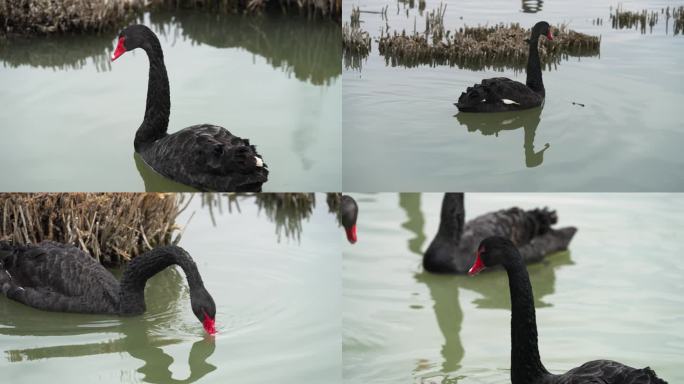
(112, 227)
(497, 47)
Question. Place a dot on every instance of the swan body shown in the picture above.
(57, 277)
(453, 248)
(501, 94)
(526, 365)
(205, 156)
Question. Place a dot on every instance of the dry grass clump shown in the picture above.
(497, 47)
(30, 17)
(334, 199)
(112, 227)
(621, 19)
(49, 16)
(356, 43)
(628, 19)
(678, 16)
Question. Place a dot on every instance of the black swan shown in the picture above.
(349, 211)
(57, 277)
(502, 94)
(526, 365)
(205, 156)
(453, 248)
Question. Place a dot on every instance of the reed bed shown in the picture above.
(497, 47)
(112, 227)
(49, 16)
(356, 43)
(641, 20)
(678, 16)
(29, 17)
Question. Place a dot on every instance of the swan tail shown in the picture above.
(653, 378)
(555, 240)
(542, 219)
(471, 98)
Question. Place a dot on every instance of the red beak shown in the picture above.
(209, 324)
(351, 234)
(120, 50)
(549, 35)
(478, 266)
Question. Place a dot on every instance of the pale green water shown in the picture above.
(400, 132)
(617, 294)
(69, 116)
(278, 313)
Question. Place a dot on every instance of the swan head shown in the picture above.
(204, 308)
(130, 38)
(493, 251)
(349, 212)
(542, 28)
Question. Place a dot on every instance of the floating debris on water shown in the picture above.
(481, 47)
(356, 43)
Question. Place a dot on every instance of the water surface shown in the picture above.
(401, 131)
(69, 116)
(278, 312)
(616, 294)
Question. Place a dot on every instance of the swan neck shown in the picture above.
(526, 365)
(158, 103)
(534, 72)
(452, 217)
(143, 267)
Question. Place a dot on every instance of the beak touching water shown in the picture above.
(209, 324)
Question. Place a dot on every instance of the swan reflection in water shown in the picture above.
(142, 337)
(444, 290)
(492, 123)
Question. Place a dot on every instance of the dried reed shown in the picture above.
(112, 227)
(496, 47)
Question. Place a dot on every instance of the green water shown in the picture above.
(616, 294)
(278, 312)
(401, 131)
(69, 115)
